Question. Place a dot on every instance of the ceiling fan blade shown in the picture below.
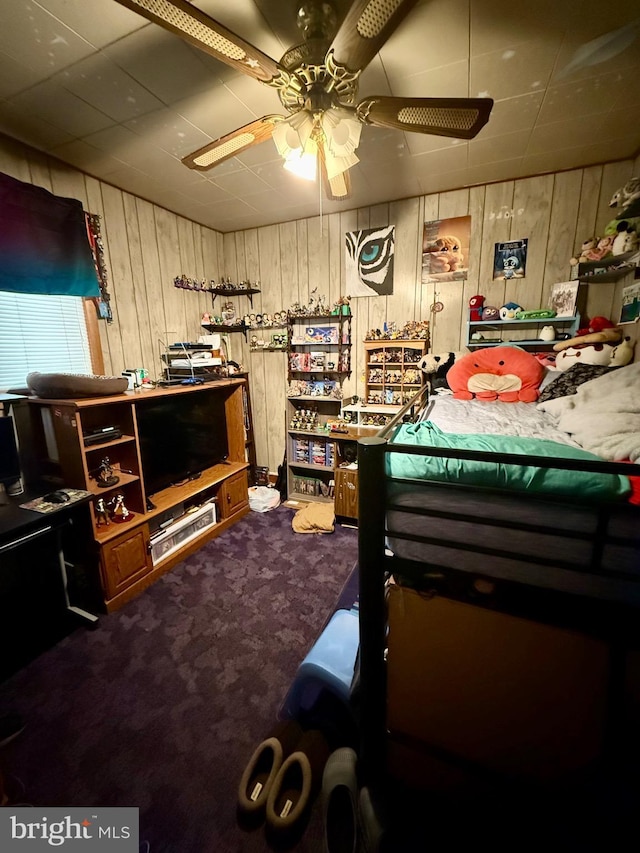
(232, 144)
(460, 118)
(204, 32)
(337, 188)
(366, 27)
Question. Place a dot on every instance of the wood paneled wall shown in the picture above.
(146, 247)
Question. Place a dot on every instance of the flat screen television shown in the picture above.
(180, 435)
(9, 460)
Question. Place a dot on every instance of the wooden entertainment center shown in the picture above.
(128, 560)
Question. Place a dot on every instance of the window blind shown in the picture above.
(43, 333)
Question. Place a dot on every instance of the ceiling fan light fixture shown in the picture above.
(337, 165)
(292, 134)
(303, 162)
(341, 132)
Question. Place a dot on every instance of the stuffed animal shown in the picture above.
(626, 240)
(503, 373)
(436, 367)
(588, 246)
(509, 311)
(596, 353)
(622, 353)
(490, 312)
(445, 254)
(601, 250)
(627, 194)
(547, 333)
(475, 307)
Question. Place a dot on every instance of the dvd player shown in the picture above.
(99, 436)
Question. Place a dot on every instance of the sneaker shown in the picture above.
(11, 725)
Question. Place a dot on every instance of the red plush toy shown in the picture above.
(496, 373)
(475, 307)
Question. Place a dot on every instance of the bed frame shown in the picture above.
(598, 590)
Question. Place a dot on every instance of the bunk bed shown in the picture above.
(558, 561)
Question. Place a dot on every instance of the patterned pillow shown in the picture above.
(65, 386)
(568, 382)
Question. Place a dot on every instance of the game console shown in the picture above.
(175, 534)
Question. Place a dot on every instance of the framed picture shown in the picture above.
(630, 311)
(445, 249)
(563, 298)
(510, 260)
(369, 261)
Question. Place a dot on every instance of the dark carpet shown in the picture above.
(162, 704)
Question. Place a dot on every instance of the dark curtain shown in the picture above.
(44, 246)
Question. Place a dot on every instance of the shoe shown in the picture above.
(11, 725)
(298, 781)
(340, 802)
(263, 766)
(371, 823)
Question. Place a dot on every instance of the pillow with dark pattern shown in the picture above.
(568, 382)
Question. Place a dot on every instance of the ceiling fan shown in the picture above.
(317, 83)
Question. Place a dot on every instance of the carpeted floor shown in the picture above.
(162, 704)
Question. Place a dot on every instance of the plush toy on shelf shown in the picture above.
(626, 240)
(475, 308)
(509, 310)
(588, 246)
(490, 312)
(436, 368)
(627, 194)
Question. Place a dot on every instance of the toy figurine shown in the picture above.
(106, 477)
(102, 515)
(119, 512)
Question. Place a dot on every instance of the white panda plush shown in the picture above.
(436, 367)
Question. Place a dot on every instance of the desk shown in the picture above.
(37, 606)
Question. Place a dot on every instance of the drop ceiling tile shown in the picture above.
(113, 22)
(572, 58)
(62, 108)
(216, 112)
(373, 80)
(258, 99)
(169, 131)
(266, 201)
(34, 37)
(557, 135)
(15, 76)
(166, 65)
(515, 69)
(512, 114)
(87, 158)
(432, 35)
(445, 81)
(503, 170)
(547, 161)
(580, 97)
(496, 23)
(433, 162)
(100, 82)
(382, 144)
(241, 183)
(208, 192)
(23, 125)
(258, 155)
(509, 146)
(229, 209)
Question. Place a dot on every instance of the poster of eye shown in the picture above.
(369, 261)
(445, 249)
(510, 260)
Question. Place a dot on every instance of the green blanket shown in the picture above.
(552, 481)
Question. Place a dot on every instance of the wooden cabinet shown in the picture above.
(128, 560)
(125, 560)
(346, 490)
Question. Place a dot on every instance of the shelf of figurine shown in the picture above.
(277, 343)
(413, 330)
(278, 320)
(224, 287)
(328, 389)
(320, 307)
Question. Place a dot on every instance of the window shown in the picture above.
(43, 333)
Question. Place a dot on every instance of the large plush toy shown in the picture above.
(437, 367)
(496, 373)
(626, 240)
